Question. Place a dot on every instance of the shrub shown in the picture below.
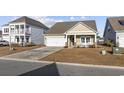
(65, 46)
(109, 43)
(15, 45)
(30, 44)
(78, 46)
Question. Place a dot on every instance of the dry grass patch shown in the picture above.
(86, 56)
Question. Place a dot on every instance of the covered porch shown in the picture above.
(22, 39)
(81, 40)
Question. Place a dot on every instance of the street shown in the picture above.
(32, 68)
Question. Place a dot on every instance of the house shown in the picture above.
(114, 30)
(24, 30)
(72, 34)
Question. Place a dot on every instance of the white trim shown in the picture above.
(75, 38)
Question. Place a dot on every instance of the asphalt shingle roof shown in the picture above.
(29, 21)
(115, 23)
(62, 27)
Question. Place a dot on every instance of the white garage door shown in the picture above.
(55, 41)
(121, 41)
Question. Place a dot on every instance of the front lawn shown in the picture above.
(86, 56)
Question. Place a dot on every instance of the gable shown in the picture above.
(80, 28)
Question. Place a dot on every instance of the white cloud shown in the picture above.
(46, 20)
(51, 21)
(43, 19)
(14, 17)
(82, 17)
(72, 18)
(77, 18)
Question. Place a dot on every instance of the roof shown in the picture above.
(29, 21)
(62, 27)
(115, 23)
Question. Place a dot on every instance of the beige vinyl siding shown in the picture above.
(80, 29)
(78, 40)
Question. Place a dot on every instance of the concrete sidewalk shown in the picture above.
(33, 54)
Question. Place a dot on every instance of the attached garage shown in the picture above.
(58, 41)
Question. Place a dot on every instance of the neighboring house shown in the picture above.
(114, 30)
(24, 30)
(72, 34)
(0, 34)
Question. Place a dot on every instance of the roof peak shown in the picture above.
(30, 21)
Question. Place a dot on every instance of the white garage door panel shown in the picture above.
(121, 41)
(55, 41)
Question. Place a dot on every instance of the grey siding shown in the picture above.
(37, 35)
(109, 34)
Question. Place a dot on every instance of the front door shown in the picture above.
(85, 41)
(72, 41)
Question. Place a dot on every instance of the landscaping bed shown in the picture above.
(87, 56)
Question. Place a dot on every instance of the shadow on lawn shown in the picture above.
(110, 52)
(48, 70)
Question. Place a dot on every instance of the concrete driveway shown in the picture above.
(33, 54)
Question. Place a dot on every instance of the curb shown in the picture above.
(26, 60)
(90, 65)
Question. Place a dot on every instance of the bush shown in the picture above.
(78, 46)
(65, 46)
(15, 45)
(30, 44)
(109, 43)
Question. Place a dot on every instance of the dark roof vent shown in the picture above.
(121, 22)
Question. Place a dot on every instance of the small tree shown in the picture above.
(109, 43)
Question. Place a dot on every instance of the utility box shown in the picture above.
(117, 50)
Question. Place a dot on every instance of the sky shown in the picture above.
(51, 20)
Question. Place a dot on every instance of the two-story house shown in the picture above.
(24, 30)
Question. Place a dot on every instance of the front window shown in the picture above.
(17, 27)
(22, 29)
(83, 39)
(87, 39)
(108, 28)
(6, 30)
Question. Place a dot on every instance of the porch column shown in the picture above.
(19, 33)
(95, 40)
(75, 40)
(24, 34)
(10, 35)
